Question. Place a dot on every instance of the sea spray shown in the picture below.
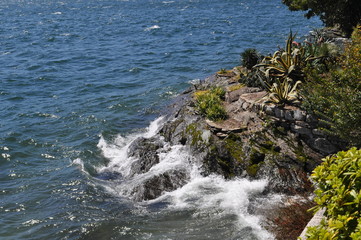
(117, 150)
(208, 198)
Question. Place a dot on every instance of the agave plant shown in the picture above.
(282, 91)
(286, 63)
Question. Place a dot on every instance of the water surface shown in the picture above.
(81, 78)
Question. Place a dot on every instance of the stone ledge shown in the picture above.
(315, 221)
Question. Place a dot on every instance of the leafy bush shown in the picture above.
(324, 53)
(209, 103)
(250, 57)
(338, 191)
(335, 96)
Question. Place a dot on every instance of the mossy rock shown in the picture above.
(234, 145)
(252, 170)
(195, 134)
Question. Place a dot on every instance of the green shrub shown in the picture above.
(218, 91)
(335, 96)
(324, 53)
(338, 181)
(250, 57)
(209, 103)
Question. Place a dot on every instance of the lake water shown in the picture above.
(81, 79)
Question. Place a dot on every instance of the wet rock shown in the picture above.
(286, 180)
(145, 151)
(157, 185)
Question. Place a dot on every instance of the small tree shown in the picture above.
(346, 14)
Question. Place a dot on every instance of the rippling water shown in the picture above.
(81, 78)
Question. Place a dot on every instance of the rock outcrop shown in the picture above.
(257, 141)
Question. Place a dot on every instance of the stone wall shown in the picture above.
(291, 118)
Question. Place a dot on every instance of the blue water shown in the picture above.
(74, 72)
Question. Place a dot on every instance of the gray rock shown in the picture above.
(311, 119)
(302, 124)
(289, 115)
(301, 130)
(145, 152)
(279, 113)
(299, 115)
(233, 96)
(315, 221)
(245, 105)
(323, 145)
(155, 186)
(269, 110)
(318, 132)
(255, 107)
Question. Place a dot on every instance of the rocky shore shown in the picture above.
(256, 141)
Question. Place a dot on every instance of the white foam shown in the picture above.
(78, 162)
(219, 197)
(117, 150)
(211, 195)
(152, 28)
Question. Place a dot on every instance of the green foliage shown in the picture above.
(346, 14)
(250, 57)
(218, 91)
(324, 53)
(338, 180)
(335, 96)
(209, 104)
